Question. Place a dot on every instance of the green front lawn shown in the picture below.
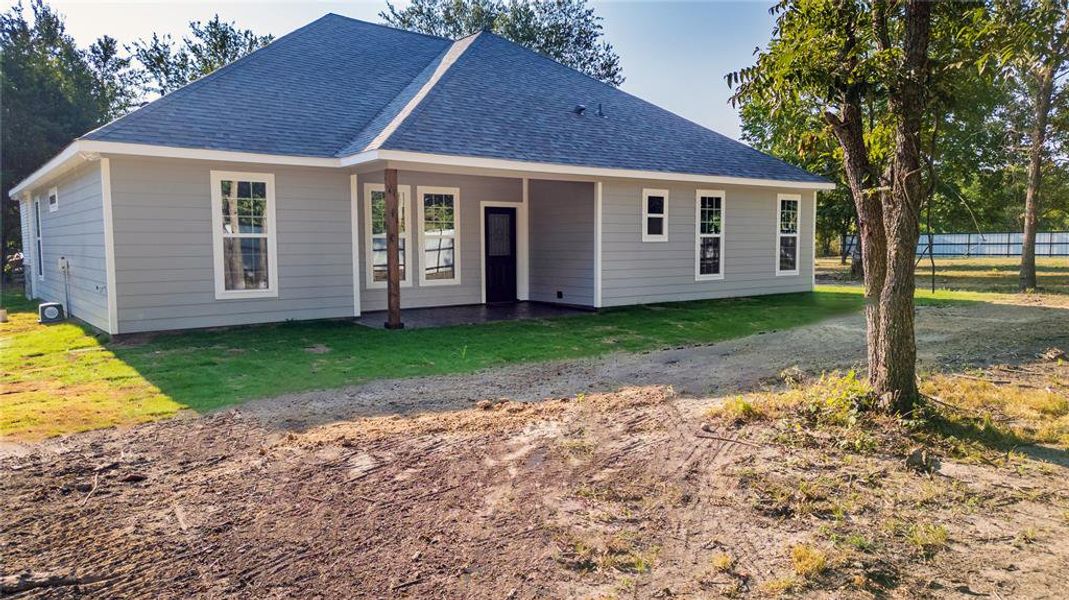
(63, 378)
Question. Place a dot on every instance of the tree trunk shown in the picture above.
(861, 177)
(895, 378)
(1044, 92)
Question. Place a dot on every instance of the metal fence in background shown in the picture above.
(1048, 243)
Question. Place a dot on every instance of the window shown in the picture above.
(787, 234)
(439, 235)
(243, 221)
(709, 211)
(375, 232)
(53, 200)
(38, 257)
(654, 215)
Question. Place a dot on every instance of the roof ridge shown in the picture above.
(448, 58)
(155, 104)
(385, 26)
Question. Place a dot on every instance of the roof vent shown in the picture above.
(601, 113)
(579, 109)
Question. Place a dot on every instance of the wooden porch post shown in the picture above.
(393, 254)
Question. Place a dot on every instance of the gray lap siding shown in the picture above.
(74, 231)
(164, 259)
(637, 272)
(562, 242)
(473, 191)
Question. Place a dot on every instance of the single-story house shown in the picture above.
(263, 192)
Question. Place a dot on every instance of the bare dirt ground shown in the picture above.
(458, 487)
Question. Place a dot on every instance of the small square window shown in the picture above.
(654, 215)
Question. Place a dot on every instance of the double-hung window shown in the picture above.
(787, 233)
(243, 221)
(38, 258)
(375, 233)
(439, 235)
(709, 211)
(654, 215)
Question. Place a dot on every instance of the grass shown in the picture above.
(998, 274)
(65, 378)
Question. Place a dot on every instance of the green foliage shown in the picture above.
(51, 94)
(211, 45)
(567, 31)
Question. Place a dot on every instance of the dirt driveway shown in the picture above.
(430, 488)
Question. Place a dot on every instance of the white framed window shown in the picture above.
(53, 200)
(787, 215)
(654, 215)
(439, 235)
(39, 251)
(375, 233)
(709, 235)
(244, 235)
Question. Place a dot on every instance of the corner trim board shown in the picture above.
(109, 246)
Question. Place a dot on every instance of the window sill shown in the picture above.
(246, 294)
(654, 239)
(709, 277)
(381, 285)
(786, 273)
(438, 282)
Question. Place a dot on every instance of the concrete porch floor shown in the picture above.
(418, 318)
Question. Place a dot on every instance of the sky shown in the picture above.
(674, 54)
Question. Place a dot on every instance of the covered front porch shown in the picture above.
(440, 248)
(472, 314)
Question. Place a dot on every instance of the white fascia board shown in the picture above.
(86, 149)
(576, 170)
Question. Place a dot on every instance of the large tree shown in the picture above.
(51, 95)
(211, 45)
(1036, 34)
(864, 68)
(567, 31)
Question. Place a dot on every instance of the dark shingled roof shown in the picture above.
(330, 88)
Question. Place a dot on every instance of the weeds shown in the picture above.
(927, 537)
(808, 561)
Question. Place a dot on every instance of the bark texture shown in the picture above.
(1044, 92)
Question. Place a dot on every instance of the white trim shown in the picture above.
(221, 293)
(53, 192)
(38, 239)
(523, 258)
(455, 50)
(421, 234)
(796, 235)
(404, 206)
(354, 225)
(598, 191)
(574, 170)
(109, 246)
(78, 149)
(646, 237)
(698, 195)
(813, 241)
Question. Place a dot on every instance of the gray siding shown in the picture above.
(74, 231)
(561, 218)
(473, 191)
(637, 272)
(163, 246)
(25, 211)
